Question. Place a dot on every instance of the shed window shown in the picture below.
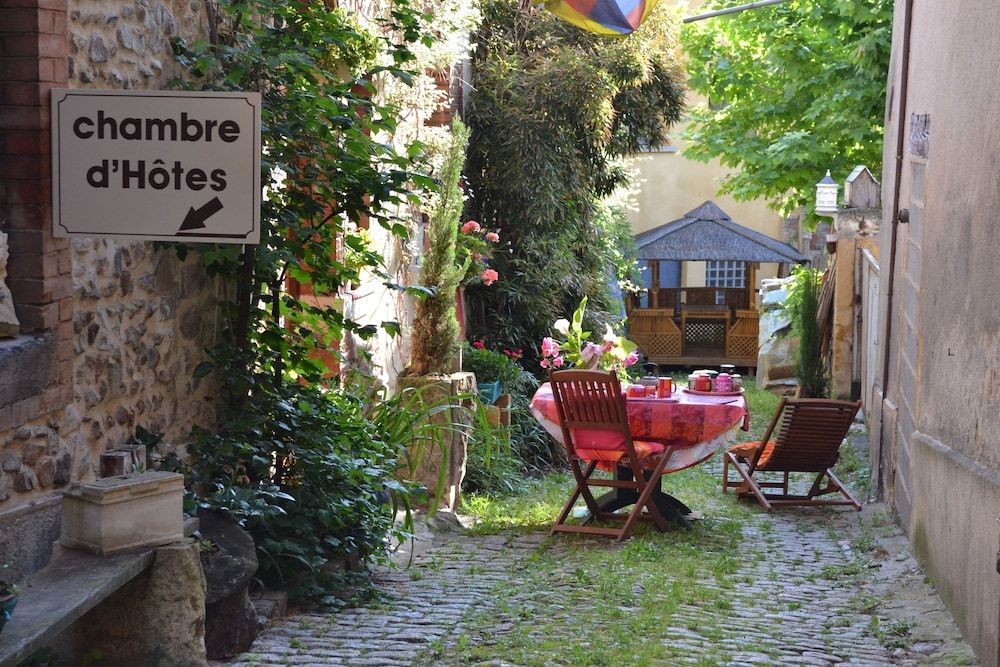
(725, 274)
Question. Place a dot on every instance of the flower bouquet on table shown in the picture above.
(613, 352)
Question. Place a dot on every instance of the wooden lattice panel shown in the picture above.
(659, 345)
(705, 333)
(741, 347)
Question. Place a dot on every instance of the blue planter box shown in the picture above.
(489, 392)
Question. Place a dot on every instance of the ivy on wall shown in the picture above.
(303, 465)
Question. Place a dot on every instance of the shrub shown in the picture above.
(490, 366)
(553, 107)
(435, 328)
(307, 474)
(803, 306)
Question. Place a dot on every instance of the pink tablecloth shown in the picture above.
(696, 426)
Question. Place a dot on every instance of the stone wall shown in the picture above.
(126, 44)
(137, 318)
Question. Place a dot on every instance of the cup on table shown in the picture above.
(635, 391)
(703, 383)
(664, 387)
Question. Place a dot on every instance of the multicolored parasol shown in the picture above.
(606, 17)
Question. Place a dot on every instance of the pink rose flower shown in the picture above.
(544, 363)
(471, 227)
(492, 237)
(607, 346)
(550, 348)
(479, 345)
(489, 276)
(557, 362)
(631, 358)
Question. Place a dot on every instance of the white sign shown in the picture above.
(156, 165)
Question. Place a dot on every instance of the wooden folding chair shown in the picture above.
(809, 440)
(595, 429)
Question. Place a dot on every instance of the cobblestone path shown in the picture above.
(794, 587)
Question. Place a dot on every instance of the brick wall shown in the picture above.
(33, 60)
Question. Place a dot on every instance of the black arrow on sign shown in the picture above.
(195, 218)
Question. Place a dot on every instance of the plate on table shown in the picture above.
(713, 393)
(666, 399)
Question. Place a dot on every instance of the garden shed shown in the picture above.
(710, 324)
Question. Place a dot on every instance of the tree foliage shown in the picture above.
(303, 467)
(552, 109)
(794, 89)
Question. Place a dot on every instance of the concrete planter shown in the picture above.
(440, 466)
(115, 514)
(499, 413)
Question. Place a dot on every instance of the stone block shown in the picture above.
(123, 461)
(155, 620)
(125, 512)
(26, 366)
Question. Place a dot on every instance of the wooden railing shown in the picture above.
(671, 298)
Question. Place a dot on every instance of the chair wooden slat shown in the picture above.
(593, 401)
(809, 436)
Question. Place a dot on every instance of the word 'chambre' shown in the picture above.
(155, 174)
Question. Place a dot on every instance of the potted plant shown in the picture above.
(493, 370)
(8, 598)
(456, 253)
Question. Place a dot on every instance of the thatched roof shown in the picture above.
(708, 233)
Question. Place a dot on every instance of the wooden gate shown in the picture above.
(869, 329)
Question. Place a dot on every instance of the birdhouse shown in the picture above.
(826, 195)
(861, 190)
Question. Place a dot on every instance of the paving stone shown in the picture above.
(797, 609)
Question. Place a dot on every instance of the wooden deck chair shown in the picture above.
(595, 429)
(811, 432)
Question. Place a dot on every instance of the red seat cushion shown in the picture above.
(643, 449)
(748, 449)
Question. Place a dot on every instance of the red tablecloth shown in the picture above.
(696, 426)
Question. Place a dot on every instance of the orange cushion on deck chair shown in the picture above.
(643, 449)
(747, 450)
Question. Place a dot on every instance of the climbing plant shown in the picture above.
(794, 89)
(552, 109)
(298, 461)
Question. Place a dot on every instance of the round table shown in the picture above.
(694, 425)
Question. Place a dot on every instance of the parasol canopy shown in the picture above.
(606, 17)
